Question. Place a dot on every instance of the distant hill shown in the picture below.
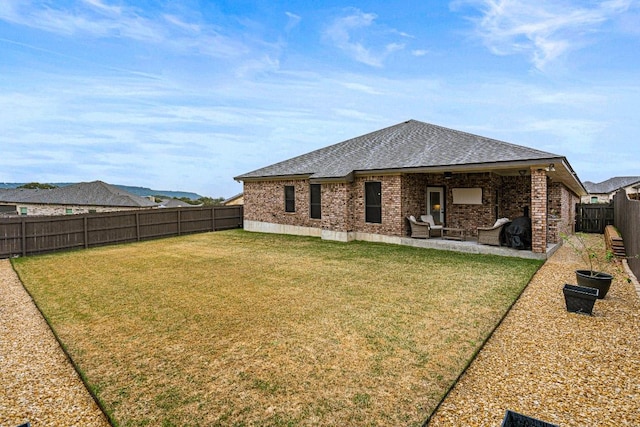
(138, 191)
(143, 191)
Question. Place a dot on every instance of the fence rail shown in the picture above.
(25, 235)
(628, 223)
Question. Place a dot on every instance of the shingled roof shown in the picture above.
(611, 185)
(410, 145)
(96, 193)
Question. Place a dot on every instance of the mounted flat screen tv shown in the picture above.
(467, 196)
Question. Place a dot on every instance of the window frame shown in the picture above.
(373, 205)
(315, 203)
(289, 198)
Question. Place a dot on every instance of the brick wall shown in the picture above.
(264, 201)
(392, 218)
(470, 217)
(561, 211)
(337, 207)
(414, 194)
(343, 204)
(516, 196)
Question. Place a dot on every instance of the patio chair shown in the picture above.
(492, 235)
(419, 230)
(432, 225)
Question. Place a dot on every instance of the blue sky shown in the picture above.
(185, 95)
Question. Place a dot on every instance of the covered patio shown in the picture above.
(465, 199)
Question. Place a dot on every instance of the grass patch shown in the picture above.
(238, 328)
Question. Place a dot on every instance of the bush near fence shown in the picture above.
(26, 235)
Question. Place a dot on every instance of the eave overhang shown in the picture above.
(561, 171)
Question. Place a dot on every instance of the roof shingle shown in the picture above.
(411, 144)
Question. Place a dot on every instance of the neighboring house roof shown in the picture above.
(611, 185)
(232, 199)
(96, 193)
(415, 146)
(177, 203)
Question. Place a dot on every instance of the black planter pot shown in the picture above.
(595, 279)
(514, 419)
(579, 299)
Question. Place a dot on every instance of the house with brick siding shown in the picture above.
(83, 197)
(365, 187)
(603, 192)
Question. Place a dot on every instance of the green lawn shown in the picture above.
(244, 329)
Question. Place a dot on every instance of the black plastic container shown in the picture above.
(514, 419)
(579, 299)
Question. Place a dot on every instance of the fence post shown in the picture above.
(86, 232)
(213, 218)
(137, 226)
(23, 231)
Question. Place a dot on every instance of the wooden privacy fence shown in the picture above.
(593, 218)
(628, 223)
(25, 235)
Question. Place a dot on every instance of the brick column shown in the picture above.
(538, 211)
(337, 212)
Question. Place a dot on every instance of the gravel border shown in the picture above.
(544, 362)
(39, 384)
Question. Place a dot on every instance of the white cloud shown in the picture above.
(99, 5)
(180, 23)
(361, 88)
(356, 32)
(355, 114)
(99, 20)
(293, 22)
(544, 30)
(95, 20)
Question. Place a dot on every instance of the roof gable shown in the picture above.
(411, 144)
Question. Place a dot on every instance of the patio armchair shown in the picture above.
(419, 230)
(432, 225)
(493, 235)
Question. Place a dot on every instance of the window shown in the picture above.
(373, 202)
(69, 211)
(594, 199)
(92, 211)
(289, 198)
(315, 201)
(23, 211)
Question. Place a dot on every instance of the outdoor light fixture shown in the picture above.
(448, 174)
(522, 172)
(550, 168)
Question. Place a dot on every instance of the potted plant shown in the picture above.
(592, 255)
